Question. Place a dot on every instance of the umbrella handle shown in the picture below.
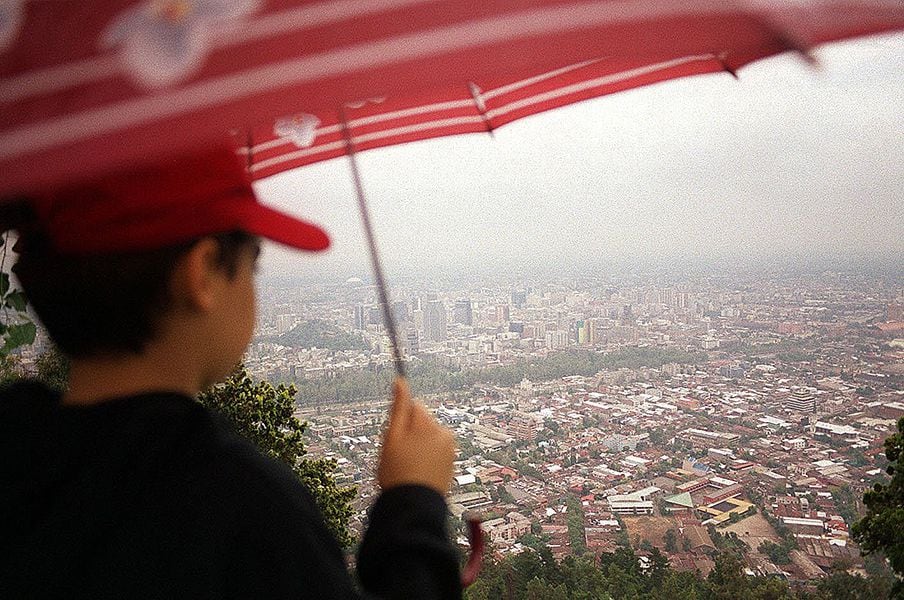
(475, 559)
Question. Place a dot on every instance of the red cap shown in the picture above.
(152, 206)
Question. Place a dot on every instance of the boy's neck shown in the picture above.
(96, 380)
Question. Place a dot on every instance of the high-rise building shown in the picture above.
(361, 317)
(412, 341)
(556, 339)
(627, 314)
(285, 323)
(801, 400)
(519, 298)
(502, 313)
(462, 312)
(585, 331)
(400, 311)
(434, 321)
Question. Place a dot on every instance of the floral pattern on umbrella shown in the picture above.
(300, 129)
(162, 42)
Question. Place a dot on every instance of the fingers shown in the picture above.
(400, 410)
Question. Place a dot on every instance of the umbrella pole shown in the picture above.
(388, 317)
(475, 532)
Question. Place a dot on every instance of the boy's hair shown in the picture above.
(107, 303)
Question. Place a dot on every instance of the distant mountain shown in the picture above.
(323, 334)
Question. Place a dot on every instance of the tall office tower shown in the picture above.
(400, 311)
(556, 339)
(284, 323)
(417, 319)
(519, 298)
(462, 312)
(627, 313)
(592, 334)
(502, 313)
(434, 321)
(412, 341)
(361, 316)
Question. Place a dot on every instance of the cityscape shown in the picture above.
(680, 414)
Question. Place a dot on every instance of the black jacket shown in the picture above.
(151, 496)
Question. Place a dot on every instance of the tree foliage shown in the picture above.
(575, 522)
(881, 529)
(844, 586)
(263, 414)
(429, 378)
(16, 327)
(318, 333)
(671, 540)
(779, 554)
(621, 575)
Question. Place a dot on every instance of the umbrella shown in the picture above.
(86, 87)
(119, 81)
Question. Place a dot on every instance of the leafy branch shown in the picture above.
(16, 327)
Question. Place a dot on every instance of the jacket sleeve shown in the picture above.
(283, 549)
(406, 552)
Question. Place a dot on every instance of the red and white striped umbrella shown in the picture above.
(85, 87)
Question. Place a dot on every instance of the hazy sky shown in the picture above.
(787, 161)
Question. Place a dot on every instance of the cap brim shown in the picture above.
(286, 230)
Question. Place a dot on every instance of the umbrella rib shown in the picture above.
(382, 292)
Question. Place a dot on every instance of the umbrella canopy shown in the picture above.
(86, 87)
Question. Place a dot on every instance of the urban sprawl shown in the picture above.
(684, 416)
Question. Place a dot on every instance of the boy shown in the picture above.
(125, 487)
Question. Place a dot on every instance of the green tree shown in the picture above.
(582, 578)
(262, 414)
(541, 590)
(323, 334)
(504, 495)
(727, 580)
(678, 586)
(880, 530)
(671, 539)
(844, 586)
(16, 327)
(575, 522)
(10, 370)
(777, 553)
(659, 568)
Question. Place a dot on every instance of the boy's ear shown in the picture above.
(198, 277)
